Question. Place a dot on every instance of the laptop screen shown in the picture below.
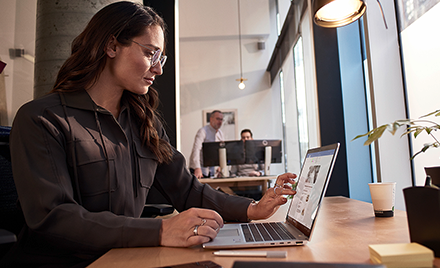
(312, 183)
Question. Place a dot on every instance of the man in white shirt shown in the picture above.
(208, 133)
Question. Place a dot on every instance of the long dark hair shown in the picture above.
(124, 21)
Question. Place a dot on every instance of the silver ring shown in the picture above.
(278, 187)
(203, 222)
(195, 231)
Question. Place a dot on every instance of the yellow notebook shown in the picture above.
(402, 255)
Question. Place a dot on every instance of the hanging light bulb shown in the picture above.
(337, 13)
(241, 85)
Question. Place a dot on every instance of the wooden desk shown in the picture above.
(344, 229)
(240, 181)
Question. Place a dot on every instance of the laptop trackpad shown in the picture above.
(227, 232)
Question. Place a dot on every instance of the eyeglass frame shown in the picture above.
(162, 59)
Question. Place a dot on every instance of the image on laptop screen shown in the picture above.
(311, 185)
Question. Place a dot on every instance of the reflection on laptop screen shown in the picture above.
(311, 184)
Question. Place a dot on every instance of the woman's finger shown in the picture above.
(197, 240)
(285, 178)
(284, 190)
(284, 181)
(212, 224)
(204, 231)
(207, 214)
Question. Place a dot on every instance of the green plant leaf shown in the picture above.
(404, 121)
(360, 136)
(436, 112)
(363, 135)
(426, 147)
(375, 134)
(409, 131)
(412, 127)
(428, 130)
(417, 132)
(395, 127)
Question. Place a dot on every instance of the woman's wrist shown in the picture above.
(251, 210)
(160, 233)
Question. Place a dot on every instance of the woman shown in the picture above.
(86, 155)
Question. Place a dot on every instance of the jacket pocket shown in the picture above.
(93, 178)
(147, 162)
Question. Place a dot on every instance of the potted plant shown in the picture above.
(422, 203)
(415, 127)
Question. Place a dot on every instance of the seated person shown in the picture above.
(85, 156)
(247, 170)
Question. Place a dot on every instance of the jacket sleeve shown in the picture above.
(44, 186)
(184, 191)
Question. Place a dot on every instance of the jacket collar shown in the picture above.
(80, 99)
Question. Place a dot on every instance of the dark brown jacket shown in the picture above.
(69, 219)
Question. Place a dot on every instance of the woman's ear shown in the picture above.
(110, 48)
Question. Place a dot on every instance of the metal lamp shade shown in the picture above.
(337, 13)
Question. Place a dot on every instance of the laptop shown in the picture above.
(301, 215)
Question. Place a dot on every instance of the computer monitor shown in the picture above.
(234, 153)
(255, 151)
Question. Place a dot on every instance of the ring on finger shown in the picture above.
(196, 230)
(279, 185)
(203, 222)
(278, 190)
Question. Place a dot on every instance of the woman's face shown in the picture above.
(131, 65)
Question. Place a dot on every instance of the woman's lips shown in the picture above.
(149, 80)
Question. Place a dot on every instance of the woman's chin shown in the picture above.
(142, 91)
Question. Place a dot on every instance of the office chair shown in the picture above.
(156, 204)
(11, 219)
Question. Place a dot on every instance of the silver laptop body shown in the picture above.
(301, 215)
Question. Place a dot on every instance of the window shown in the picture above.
(301, 100)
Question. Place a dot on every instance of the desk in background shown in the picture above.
(240, 181)
(344, 229)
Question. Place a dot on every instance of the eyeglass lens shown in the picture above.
(157, 56)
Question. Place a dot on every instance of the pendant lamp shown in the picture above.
(241, 85)
(337, 13)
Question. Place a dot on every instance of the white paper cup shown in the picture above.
(383, 195)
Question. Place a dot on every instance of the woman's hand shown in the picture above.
(194, 226)
(273, 198)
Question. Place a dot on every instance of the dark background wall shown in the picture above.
(166, 83)
(331, 114)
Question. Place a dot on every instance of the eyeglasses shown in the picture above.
(156, 57)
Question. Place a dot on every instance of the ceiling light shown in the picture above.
(337, 13)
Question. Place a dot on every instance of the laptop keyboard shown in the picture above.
(267, 231)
